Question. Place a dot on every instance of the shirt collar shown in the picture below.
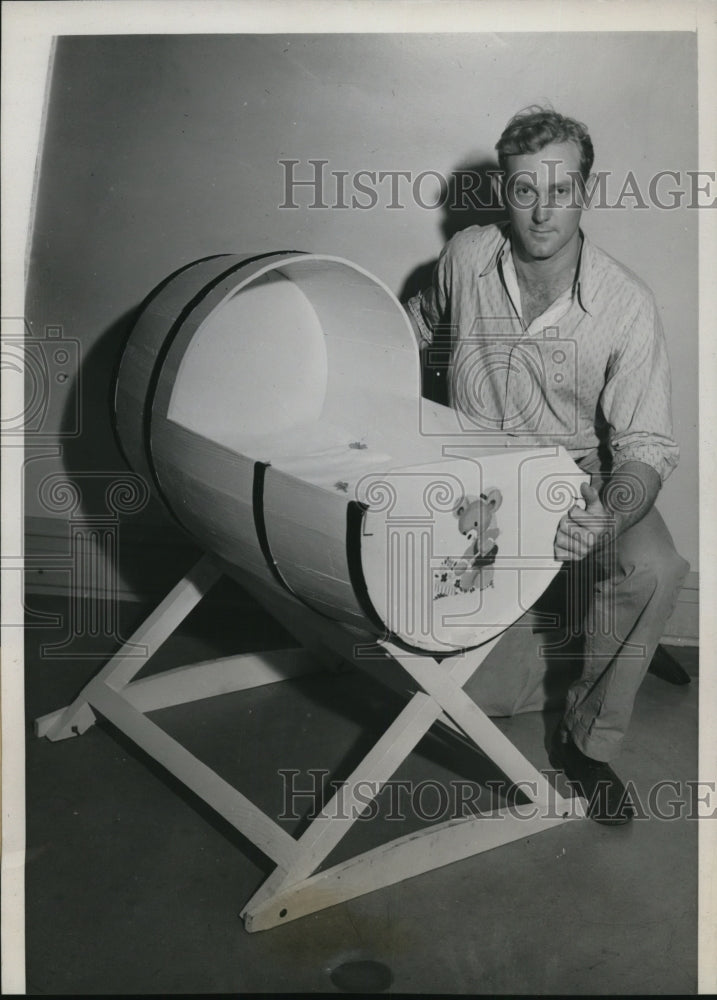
(502, 248)
(585, 279)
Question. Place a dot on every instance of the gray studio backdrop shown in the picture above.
(162, 149)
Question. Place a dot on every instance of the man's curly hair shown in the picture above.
(533, 128)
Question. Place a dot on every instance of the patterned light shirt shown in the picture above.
(590, 374)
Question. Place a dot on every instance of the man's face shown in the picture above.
(542, 198)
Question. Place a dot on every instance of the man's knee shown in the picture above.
(647, 550)
(671, 568)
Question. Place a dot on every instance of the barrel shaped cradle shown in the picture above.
(273, 402)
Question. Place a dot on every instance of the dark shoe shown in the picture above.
(607, 797)
(666, 667)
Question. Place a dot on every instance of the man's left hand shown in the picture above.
(580, 531)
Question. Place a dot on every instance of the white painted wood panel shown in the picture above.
(288, 437)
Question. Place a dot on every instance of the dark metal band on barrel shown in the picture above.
(161, 358)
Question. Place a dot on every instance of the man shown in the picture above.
(554, 342)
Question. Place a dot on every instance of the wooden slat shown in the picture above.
(292, 890)
(311, 630)
(50, 725)
(153, 631)
(328, 637)
(403, 858)
(145, 343)
(332, 824)
(476, 724)
(163, 621)
(376, 768)
(344, 808)
(220, 676)
(236, 809)
(306, 530)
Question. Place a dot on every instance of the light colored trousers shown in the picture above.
(598, 643)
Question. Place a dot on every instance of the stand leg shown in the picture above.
(152, 633)
(296, 887)
(477, 726)
(295, 891)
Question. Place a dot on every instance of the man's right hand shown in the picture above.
(582, 530)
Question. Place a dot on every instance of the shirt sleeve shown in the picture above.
(636, 397)
(431, 307)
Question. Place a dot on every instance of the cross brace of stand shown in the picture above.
(296, 887)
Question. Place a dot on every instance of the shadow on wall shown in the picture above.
(93, 459)
(116, 512)
(137, 547)
(470, 201)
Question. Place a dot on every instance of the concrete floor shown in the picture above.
(133, 886)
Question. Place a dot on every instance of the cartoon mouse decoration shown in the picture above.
(476, 520)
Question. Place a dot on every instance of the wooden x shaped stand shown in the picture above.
(295, 888)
